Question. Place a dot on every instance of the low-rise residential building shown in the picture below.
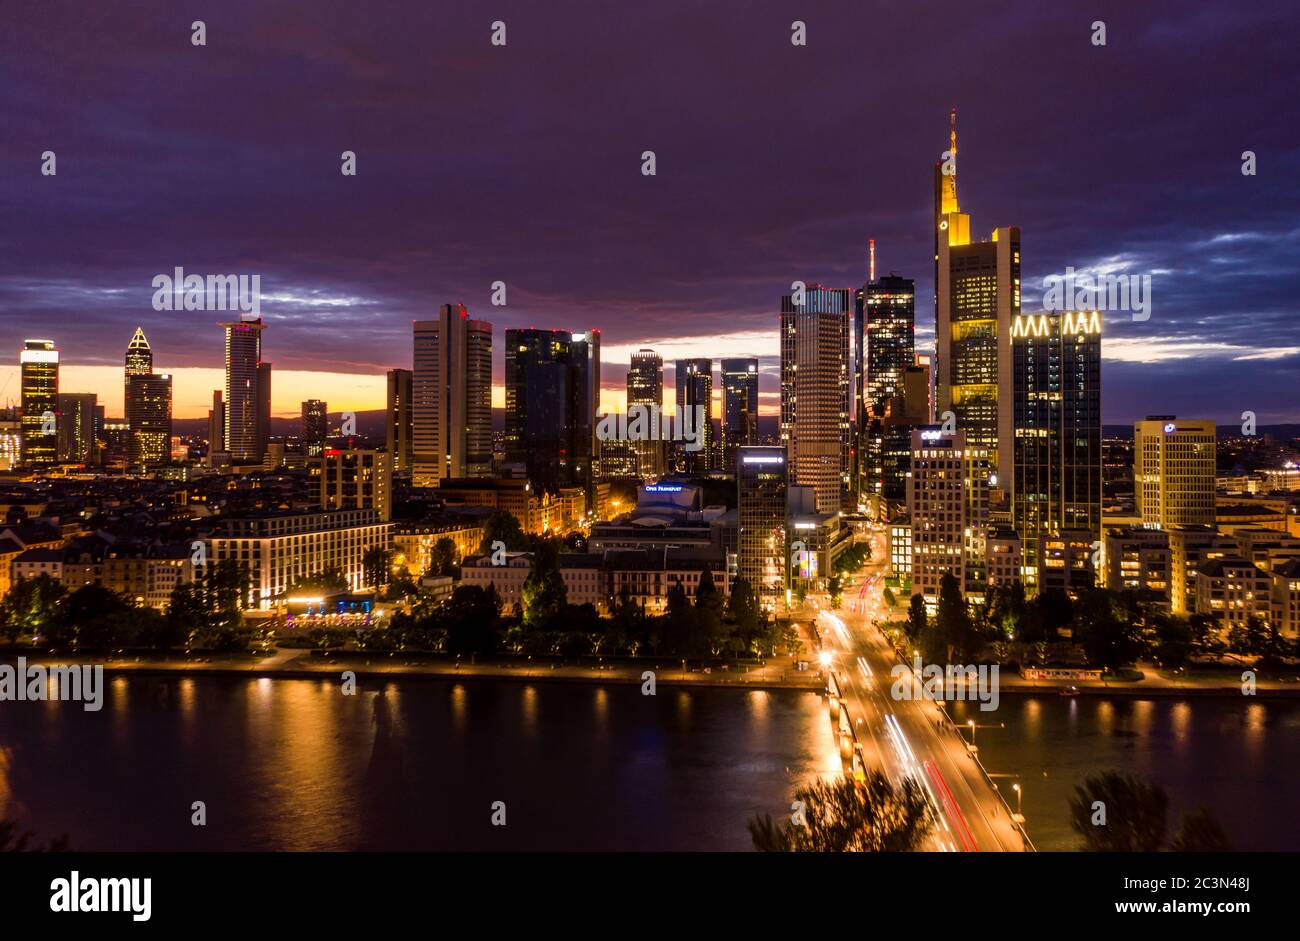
(1066, 561)
(1189, 548)
(1003, 557)
(1137, 559)
(1233, 590)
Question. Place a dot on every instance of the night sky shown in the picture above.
(523, 164)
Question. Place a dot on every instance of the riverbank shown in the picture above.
(775, 673)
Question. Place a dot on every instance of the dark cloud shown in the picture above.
(521, 164)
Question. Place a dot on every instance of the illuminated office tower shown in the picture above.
(884, 326)
(150, 419)
(243, 413)
(263, 407)
(645, 387)
(398, 418)
(552, 392)
(315, 426)
(815, 392)
(1173, 471)
(977, 294)
(739, 408)
(138, 362)
(762, 484)
(77, 427)
(904, 413)
(695, 390)
(451, 397)
(1054, 476)
(947, 499)
(39, 367)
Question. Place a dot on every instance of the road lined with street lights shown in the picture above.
(907, 737)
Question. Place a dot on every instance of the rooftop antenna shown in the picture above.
(872, 243)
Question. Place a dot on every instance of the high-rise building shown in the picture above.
(451, 397)
(354, 478)
(1173, 471)
(398, 423)
(977, 294)
(739, 408)
(39, 367)
(695, 391)
(11, 442)
(77, 427)
(645, 387)
(263, 407)
(815, 392)
(216, 427)
(243, 423)
(762, 485)
(150, 419)
(552, 393)
(885, 327)
(315, 426)
(138, 362)
(1054, 386)
(947, 499)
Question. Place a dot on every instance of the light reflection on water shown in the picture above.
(1238, 759)
(415, 764)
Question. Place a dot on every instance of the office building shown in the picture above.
(645, 387)
(354, 478)
(552, 393)
(739, 408)
(216, 428)
(1138, 559)
(39, 368)
(1054, 388)
(263, 407)
(78, 432)
(243, 423)
(1173, 471)
(695, 393)
(977, 295)
(451, 397)
(762, 484)
(815, 392)
(150, 419)
(315, 427)
(947, 500)
(398, 418)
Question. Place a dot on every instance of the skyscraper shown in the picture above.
(1173, 471)
(694, 391)
(645, 387)
(815, 392)
(977, 293)
(739, 408)
(263, 407)
(398, 421)
(885, 325)
(762, 485)
(77, 427)
(150, 419)
(1055, 389)
(147, 399)
(552, 392)
(315, 426)
(243, 413)
(39, 367)
(216, 427)
(451, 397)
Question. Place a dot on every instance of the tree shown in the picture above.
(708, 613)
(93, 617)
(849, 816)
(443, 560)
(1106, 623)
(502, 526)
(1199, 832)
(470, 620)
(376, 566)
(13, 840)
(1134, 813)
(30, 606)
(544, 593)
(953, 632)
(917, 620)
(835, 588)
(743, 606)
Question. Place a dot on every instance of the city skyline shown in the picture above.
(1220, 246)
